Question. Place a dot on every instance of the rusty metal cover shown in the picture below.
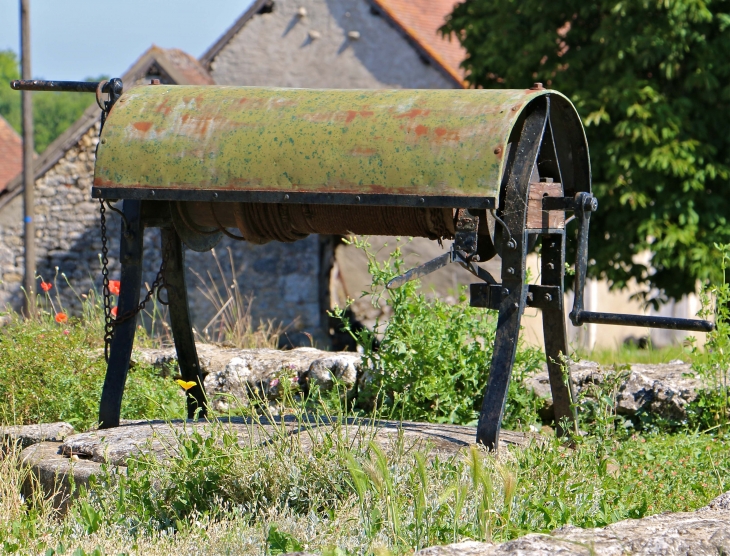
(422, 142)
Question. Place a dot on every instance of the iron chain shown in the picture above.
(159, 283)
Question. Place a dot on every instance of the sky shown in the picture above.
(75, 39)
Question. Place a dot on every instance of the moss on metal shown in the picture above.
(425, 142)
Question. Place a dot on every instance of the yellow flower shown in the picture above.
(186, 384)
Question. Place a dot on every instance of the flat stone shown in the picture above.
(115, 446)
(27, 435)
(702, 533)
(55, 472)
(660, 389)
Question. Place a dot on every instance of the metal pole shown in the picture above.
(28, 174)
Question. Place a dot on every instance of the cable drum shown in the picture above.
(260, 223)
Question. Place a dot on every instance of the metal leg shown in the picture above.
(554, 331)
(130, 255)
(182, 330)
(503, 359)
(514, 255)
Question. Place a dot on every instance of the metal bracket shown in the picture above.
(465, 238)
(490, 296)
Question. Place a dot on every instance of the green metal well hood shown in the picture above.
(193, 143)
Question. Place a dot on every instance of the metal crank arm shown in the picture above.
(433, 265)
(476, 270)
(420, 271)
(463, 251)
(583, 205)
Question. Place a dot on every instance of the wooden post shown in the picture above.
(28, 174)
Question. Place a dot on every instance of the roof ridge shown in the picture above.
(207, 57)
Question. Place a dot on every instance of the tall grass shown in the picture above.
(233, 322)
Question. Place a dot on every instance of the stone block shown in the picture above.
(27, 435)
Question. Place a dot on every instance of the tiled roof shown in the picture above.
(11, 153)
(420, 20)
(192, 72)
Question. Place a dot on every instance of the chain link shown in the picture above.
(106, 294)
(159, 284)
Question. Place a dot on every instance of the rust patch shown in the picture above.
(421, 130)
(163, 108)
(144, 127)
(413, 113)
(444, 135)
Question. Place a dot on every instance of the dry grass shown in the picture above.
(233, 323)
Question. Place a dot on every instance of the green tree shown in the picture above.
(651, 81)
(53, 113)
(9, 99)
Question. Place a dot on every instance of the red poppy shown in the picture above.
(61, 318)
(114, 286)
(45, 286)
(114, 312)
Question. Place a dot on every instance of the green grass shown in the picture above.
(341, 497)
(632, 354)
(54, 372)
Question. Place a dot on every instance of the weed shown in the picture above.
(49, 372)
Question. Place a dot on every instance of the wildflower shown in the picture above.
(186, 384)
(274, 383)
(61, 318)
(114, 286)
(114, 311)
(46, 286)
(66, 332)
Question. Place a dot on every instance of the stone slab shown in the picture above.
(231, 374)
(56, 473)
(702, 533)
(116, 445)
(27, 435)
(56, 464)
(661, 389)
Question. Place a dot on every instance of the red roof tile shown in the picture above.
(421, 19)
(11, 153)
(193, 71)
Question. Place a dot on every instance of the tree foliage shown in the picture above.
(650, 79)
(53, 113)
